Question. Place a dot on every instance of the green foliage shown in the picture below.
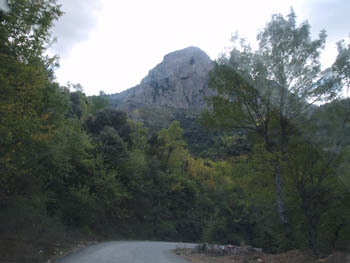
(80, 208)
(79, 105)
(112, 118)
(171, 150)
(67, 160)
(341, 67)
(25, 32)
(97, 103)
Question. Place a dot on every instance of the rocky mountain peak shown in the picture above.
(179, 81)
(181, 63)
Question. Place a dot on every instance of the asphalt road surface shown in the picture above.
(128, 252)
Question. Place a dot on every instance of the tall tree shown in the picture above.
(268, 92)
(25, 81)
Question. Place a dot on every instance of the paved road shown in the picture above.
(127, 252)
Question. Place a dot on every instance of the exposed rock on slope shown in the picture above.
(179, 81)
(174, 90)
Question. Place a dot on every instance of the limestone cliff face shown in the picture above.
(179, 81)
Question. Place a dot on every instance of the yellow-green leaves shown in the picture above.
(172, 150)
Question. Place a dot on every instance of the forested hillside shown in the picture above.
(71, 166)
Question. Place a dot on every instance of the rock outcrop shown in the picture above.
(179, 81)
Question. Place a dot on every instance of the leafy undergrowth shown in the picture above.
(294, 256)
(28, 251)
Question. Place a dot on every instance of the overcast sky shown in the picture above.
(111, 45)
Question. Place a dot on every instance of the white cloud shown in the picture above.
(75, 25)
(128, 38)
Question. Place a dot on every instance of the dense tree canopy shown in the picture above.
(71, 164)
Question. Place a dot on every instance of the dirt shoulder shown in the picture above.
(294, 256)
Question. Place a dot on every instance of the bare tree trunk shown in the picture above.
(281, 210)
(168, 157)
(312, 220)
(279, 194)
(313, 234)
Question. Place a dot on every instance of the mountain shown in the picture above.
(180, 81)
(173, 90)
